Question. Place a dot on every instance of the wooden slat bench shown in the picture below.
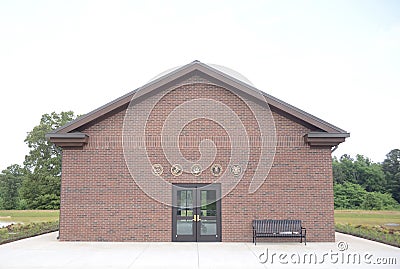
(278, 228)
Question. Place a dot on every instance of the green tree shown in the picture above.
(388, 202)
(353, 196)
(349, 195)
(372, 201)
(360, 171)
(338, 175)
(344, 170)
(10, 181)
(391, 169)
(369, 174)
(41, 186)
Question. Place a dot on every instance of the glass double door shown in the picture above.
(196, 215)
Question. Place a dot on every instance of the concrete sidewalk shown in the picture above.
(47, 252)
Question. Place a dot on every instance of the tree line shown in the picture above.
(36, 184)
(359, 183)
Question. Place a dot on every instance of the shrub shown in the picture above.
(22, 205)
(372, 201)
(349, 195)
(19, 231)
(353, 196)
(388, 201)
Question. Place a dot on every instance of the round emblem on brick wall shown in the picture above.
(176, 170)
(216, 169)
(157, 169)
(196, 169)
(236, 169)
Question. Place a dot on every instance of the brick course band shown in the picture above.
(104, 142)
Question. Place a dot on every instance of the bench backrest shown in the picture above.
(277, 226)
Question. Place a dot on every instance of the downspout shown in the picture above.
(334, 148)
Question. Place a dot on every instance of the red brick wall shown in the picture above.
(101, 202)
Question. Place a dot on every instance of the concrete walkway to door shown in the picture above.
(47, 252)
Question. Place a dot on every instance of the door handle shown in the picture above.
(196, 218)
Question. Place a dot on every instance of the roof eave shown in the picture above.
(207, 70)
(76, 139)
(321, 139)
(123, 100)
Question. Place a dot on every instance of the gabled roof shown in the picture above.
(224, 76)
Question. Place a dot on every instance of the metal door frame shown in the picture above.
(196, 237)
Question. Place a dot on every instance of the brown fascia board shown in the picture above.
(73, 125)
(323, 125)
(68, 140)
(277, 102)
(325, 139)
(210, 71)
(301, 114)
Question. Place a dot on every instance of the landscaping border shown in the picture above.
(16, 232)
(357, 231)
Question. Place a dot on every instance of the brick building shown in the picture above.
(195, 155)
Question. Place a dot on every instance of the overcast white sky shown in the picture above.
(338, 60)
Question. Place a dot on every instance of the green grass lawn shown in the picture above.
(369, 217)
(29, 223)
(370, 224)
(28, 216)
(356, 217)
